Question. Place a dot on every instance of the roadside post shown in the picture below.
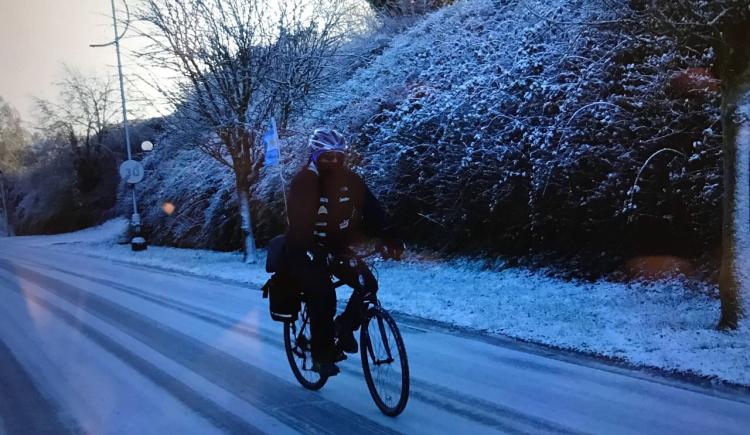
(130, 170)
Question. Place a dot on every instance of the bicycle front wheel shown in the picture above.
(384, 362)
(297, 342)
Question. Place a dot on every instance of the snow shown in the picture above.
(664, 324)
(106, 232)
(661, 324)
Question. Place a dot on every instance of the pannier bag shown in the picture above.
(283, 297)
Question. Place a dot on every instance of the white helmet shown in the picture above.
(325, 139)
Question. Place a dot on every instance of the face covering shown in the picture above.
(330, 164)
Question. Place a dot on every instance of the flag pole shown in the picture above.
(281, 168)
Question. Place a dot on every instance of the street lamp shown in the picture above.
(131, 171)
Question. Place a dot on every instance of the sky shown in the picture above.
(37, 36)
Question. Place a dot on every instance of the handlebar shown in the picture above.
(372, 253)
(360, 257)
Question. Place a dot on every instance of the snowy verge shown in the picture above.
(109, 231)
(663, 324)
(102, 242)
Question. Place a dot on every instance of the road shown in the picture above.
(94, 346)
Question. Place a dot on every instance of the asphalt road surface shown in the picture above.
(94, 346)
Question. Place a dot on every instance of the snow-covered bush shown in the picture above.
(602, 100)
(517, 127)
(63, 192)
(564, 126)
(43, 195)
(406, 7)
(199, 188)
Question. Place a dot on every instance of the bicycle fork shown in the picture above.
(384, 337)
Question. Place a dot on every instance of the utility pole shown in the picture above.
(130, 170)
(5, 208)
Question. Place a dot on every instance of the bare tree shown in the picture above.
(237, 63)
(80, 117)
(85, 108)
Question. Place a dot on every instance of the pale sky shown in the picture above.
(36, 36)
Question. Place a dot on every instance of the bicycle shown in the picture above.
(382, 353)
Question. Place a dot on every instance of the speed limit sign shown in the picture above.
(131, 171)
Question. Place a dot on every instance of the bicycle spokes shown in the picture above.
(299, 352)
(384, 362)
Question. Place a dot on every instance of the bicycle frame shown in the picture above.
(372, 313)
(300, 340)
(369, 302)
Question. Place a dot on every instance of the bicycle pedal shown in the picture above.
(326, 370)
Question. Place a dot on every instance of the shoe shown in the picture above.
(346, 342)
(326, 369)
(340, 356)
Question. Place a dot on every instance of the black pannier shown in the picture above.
(283, 297)
(281, 290)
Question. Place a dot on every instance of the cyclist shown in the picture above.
(329, 207)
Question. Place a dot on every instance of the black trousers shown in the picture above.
(320, 297)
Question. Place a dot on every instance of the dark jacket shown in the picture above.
(328, 212)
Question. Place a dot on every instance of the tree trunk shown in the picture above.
(242, 163)
(734, 282)
(6, 217)
(243, 204)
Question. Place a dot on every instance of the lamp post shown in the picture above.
(130, 170)
(5, 208)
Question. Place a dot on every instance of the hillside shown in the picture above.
(491, 127)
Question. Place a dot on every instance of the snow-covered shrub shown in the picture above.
(512, 127)
(604, 103)
(43, 196)
(564, 126)
(406, 7)
(201, 190)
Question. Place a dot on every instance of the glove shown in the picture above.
(392, 249)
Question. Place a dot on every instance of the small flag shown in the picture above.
(271, 138)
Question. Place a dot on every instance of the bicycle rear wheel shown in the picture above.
(297, 343)
(384, 362)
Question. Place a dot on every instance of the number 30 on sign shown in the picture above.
(131, 171)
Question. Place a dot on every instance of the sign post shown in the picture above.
(137, 243)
